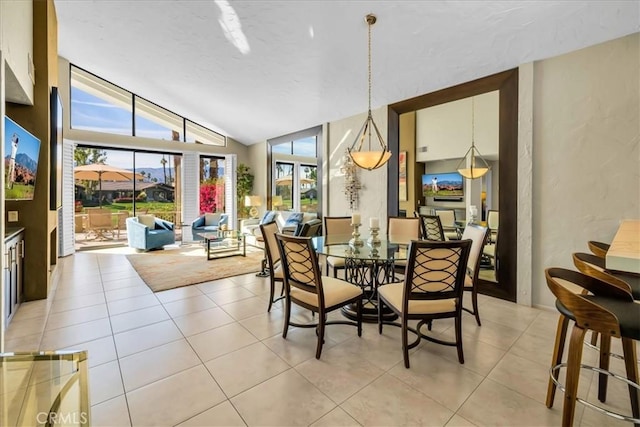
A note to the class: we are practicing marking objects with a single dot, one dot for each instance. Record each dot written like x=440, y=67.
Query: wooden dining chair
x=337, y=230
x=598, y=306
x=493, y=222
x=272, y=254
x=432, y=289
x=431, y=227
x=599, y=249
x=305, y=287
x=448, y=220
x=478, y=236
x=401, y=231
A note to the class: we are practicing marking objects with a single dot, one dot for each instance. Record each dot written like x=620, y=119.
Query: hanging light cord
x=370, y=22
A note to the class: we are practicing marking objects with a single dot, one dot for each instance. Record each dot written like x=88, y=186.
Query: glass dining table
x=368, y=266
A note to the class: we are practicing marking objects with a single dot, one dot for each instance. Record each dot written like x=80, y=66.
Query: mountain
x=158, y=174
x=26, y=161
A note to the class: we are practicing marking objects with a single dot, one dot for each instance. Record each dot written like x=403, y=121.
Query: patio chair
x=99, y=223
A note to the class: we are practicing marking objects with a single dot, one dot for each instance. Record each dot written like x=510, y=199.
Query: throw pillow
x=269, y=217
x=148, y=220
x=212, y=218
x=294, y=219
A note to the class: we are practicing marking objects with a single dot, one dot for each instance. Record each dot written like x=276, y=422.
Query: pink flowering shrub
x=212, y=196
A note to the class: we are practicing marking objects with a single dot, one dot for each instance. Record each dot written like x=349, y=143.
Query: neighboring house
x=156, y=192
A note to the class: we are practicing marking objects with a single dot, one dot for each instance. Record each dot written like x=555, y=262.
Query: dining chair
x=402, y=230
x=432, y=289
x=599, y=249
x=305, y=287
x=272, y=254
x=597, y=306
x=493, y=222
x=478, y=236
x=449, y=226
x=490, y=251
x=309, y=229
x=431, y=227
x=337, y=230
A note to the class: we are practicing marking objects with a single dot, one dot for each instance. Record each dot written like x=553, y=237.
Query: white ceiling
x=305, y=62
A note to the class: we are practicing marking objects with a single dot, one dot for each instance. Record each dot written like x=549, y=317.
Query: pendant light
x=475, y=166
x=367, y=157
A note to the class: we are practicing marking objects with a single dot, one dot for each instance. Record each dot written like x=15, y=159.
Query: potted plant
x=243, y=188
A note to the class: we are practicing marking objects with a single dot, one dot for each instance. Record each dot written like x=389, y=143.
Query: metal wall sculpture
x=352, y=184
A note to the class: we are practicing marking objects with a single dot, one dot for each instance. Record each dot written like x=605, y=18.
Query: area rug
x=173, y=268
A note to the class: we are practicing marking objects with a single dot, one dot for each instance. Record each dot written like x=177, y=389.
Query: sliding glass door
x=112, y=185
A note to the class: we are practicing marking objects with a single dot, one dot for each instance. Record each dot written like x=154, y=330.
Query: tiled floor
x=210, y=355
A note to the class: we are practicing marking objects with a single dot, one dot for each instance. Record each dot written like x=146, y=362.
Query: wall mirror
x=497, y=191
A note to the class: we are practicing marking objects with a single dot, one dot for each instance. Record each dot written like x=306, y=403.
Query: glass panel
x=44, y=388
x=308, y=188
x=201, y=135
x=212, y=182
x=284, y=184
x=155, y=193
x=305, y=147
x=282, y=148
x=156, y=122
x=99, y=106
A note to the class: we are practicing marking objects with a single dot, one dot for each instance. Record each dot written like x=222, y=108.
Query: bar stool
x=603, y=308
x=599, y=249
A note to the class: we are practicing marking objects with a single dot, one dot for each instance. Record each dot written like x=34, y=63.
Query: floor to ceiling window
x=112, y=185
x=295, y=175
x=212, y=184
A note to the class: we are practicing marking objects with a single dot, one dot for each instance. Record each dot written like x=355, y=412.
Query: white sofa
x=251, y=227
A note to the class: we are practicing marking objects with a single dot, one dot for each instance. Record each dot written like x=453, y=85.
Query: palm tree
x=164, y=168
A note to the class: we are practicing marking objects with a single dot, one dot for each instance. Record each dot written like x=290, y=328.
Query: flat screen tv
x=21, y=161
x=448, y=186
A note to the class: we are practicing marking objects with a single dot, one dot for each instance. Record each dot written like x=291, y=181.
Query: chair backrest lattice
x=431, y=227
x=436, y=270
x=300, y=265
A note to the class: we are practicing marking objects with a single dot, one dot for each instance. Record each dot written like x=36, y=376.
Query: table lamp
x=276, y=202
x=254, y=202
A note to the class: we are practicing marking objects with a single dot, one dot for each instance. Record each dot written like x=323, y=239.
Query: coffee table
x=221, y=244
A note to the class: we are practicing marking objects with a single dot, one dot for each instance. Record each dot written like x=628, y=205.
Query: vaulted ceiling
x=254, y=70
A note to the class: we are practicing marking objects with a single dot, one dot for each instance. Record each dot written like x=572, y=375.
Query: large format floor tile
x=211, y=355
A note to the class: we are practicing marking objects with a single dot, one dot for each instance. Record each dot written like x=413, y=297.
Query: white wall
x=586, y=159
x=373, y=196
x=16, y=41
x=445, y=130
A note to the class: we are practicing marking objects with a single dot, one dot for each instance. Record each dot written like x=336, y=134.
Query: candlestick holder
x=374, y=240
x=355, y=239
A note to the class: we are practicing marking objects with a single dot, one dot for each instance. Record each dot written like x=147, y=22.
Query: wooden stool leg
x=558, y=349
x=631, y=365
x=573, y=375
x=605, y=351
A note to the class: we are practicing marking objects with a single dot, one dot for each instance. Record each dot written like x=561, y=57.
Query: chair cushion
x=468, y=282
x=336, y=291
x=489, y=250
x=268, y=217
x=627, y=313
x=212, y=218
x=393, y=293
x=294, y=219
x=148, y=220
x=335, y=261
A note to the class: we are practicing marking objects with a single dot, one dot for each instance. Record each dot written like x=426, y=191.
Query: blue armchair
x=147, y=232
x=208, y=222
